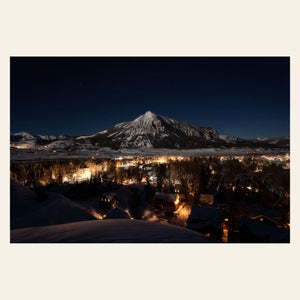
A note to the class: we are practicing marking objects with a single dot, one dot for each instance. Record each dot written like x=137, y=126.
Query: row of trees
x=195, y=177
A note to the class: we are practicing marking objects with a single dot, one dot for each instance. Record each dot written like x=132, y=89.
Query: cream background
x=170, y=28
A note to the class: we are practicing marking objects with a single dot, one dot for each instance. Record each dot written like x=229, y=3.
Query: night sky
x=243, y=97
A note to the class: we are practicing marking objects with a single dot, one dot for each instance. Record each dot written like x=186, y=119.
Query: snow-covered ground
x=60, y=219
x=105, y=152
x=28, y=211
x=108, y=231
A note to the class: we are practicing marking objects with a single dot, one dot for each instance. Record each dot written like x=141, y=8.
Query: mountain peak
x=149, y=113
x=23, y=133
x=148, y=116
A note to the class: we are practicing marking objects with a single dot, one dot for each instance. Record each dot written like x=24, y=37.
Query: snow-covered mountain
x=151, y=130
x=283, y=141
x=148, y=130
x=27, y=140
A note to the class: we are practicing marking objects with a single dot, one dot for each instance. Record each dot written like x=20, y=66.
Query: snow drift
x=108, y=231
x=27, y=211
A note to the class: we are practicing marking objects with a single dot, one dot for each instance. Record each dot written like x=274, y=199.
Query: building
x=109, y=201
x=166, y=201
x=206, y=199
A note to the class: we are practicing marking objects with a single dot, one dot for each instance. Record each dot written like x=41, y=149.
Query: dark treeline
x=210, y=175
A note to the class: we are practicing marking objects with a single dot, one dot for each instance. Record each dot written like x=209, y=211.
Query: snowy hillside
x=27, y=211
x=108, y=231
x=27, y=140
x=283, y=141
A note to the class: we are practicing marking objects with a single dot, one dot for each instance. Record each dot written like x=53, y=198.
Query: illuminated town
x=220, y=192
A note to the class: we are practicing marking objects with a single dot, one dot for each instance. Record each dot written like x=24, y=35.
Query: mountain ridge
x=148, y=130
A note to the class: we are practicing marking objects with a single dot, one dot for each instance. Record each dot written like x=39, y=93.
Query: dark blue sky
x=243, y=97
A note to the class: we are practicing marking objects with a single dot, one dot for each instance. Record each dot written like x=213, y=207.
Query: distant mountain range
x=148, y=130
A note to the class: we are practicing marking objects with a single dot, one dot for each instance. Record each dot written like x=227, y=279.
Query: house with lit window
x=167, y=202
x=125, y=198
x=109, y=201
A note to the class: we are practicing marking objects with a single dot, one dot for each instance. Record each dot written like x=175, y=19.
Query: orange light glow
x=225, y=235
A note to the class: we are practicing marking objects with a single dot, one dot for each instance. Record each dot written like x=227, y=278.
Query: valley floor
x=34, y=154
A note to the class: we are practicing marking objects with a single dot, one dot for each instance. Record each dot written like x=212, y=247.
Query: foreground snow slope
x=108, y=231
x=57, y=209
x=27, y=211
